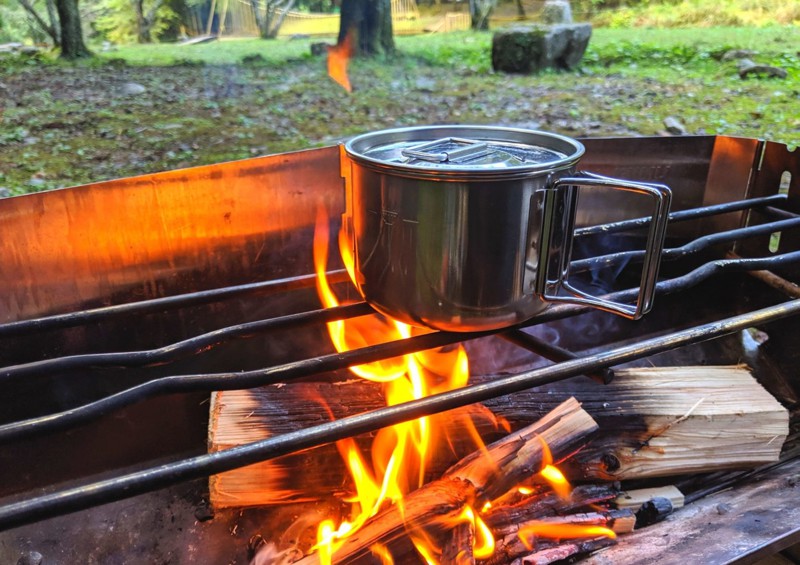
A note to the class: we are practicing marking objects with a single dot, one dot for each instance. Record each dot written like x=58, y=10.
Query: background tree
x=51, y=27
x=64, y=28
x=480, y=11
x=269, y=19
x=370, y=22
x=142, y=21
x=72, y=45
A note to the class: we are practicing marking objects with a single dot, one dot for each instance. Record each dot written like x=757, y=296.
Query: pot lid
x=465, y=150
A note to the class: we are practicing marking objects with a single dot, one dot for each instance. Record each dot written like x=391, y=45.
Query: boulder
x=530, y=49
x=748, y=67
x=556, y=12
x=735, y=54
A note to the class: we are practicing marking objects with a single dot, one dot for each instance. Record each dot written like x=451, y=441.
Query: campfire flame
x=400, y=453
x=533, y=530
x=338, y=58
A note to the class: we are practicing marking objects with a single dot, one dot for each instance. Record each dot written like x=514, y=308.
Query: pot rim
x=571, y=148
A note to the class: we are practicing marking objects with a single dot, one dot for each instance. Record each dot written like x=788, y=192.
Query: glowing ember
x=338, y=57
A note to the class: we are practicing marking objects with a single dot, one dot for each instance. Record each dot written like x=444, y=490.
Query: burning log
x=548, y=504
x=457, y=549
x=479, y=477
x=563, y=551
x=515, y=541
x=653, y=422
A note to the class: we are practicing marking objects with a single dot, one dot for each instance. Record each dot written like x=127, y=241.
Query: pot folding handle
x=558, y=226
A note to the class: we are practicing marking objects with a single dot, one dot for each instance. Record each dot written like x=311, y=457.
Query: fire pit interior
x=128, y=302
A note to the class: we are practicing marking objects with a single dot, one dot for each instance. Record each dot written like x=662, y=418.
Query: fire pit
x=116, y=296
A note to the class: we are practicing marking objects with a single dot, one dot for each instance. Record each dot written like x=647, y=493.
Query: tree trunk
x=142, y=29
x=270, y=20
x=51, y=29
x=273, y=30
x=371, y=23
x=72, y=46
x=480, y=11
x=520, y=10
x=52, y=17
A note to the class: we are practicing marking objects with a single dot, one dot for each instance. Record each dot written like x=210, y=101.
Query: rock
x=530, y=49
x=29, y=50
x=674, y=126
x=425, y=84
x=319, y=48
x=10, y=47
x=556, y=12
x=734, y=54
x=748, y=67
x=253, y=59
x=132, y=89
x=31, y=558
x=4, y=192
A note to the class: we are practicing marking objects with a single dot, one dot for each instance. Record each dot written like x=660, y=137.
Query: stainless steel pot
x=468, y=228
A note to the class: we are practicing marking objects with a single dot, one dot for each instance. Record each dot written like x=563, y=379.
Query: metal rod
x=777, y=212
x=675, y=253
x=203, y=297
x=185, y=348
x=788, y=288
x=683, y=215
x=198, y=344
x=131, y=484
x=552, y=352
x=335, y=361
x=163, y=304
x=228, y=381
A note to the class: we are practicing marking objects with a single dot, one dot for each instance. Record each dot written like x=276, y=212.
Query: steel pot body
x=464, y=243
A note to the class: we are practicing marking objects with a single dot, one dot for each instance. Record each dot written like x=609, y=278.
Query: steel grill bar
x=552, y=352
x=777, y=212
x=126, y=486
x=162, y=304
x=695, y=246
x=203, y=297
x=335, y=361
x=179, y=350
x=684, y=215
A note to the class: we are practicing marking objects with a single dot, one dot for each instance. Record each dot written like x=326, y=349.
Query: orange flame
x=554, y=477
x=338, y=58
x=400, y=453
x=532, y=530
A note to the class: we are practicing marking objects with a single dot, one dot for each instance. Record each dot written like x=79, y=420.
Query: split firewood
x=483, y=475
x=563, y=551
x=634, y=499
x=653, y=422
x=513, y=543
x=548, y=504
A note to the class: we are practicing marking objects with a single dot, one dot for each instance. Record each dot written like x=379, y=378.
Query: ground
x=144, y=109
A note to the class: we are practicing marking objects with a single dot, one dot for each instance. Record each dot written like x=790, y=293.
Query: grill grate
x=120, y=487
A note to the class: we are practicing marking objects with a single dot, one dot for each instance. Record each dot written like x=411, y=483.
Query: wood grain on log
x=653, y=422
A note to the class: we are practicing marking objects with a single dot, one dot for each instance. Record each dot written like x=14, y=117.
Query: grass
x=71, y=124
x=702, y=13
x=226, y=52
